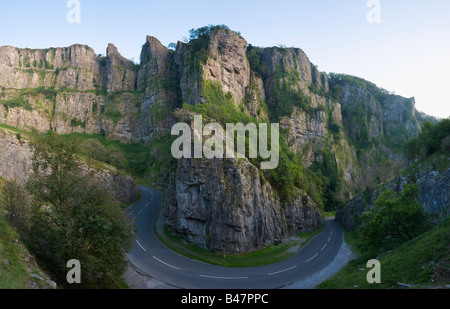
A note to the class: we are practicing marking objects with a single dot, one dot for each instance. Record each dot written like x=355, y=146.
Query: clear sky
x=408, y=52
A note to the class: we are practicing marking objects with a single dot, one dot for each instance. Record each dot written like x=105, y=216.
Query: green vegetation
x=393, y=220
x=14, y=269
x=17, y=102
x=423, y=261
x=432, y=138
x=131, y=158
x=254, y=56
x=113, y=114
x=287, y=94
x=289, y=176
x=198, y=44
x=160, y=159
x=75, y=122
x=74, y=214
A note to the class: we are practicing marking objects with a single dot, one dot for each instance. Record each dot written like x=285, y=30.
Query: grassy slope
x=14, y=269
x=423, y=261
x=415, y=262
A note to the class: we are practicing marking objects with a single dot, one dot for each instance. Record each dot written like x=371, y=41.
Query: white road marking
x=312, y=257
x=143, y=208
x=324, y=247
x=141, y=246
x=281, y=271
x=329, y=239
x=165, y=263
x=332, y=233
x=224, y=278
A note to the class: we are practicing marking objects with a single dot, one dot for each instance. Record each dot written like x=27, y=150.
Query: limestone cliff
x=223, y=205
x=16, y=165
x=346, y=131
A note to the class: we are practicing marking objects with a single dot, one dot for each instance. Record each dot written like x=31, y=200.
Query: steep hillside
x=18, y=269
x=429, y=171
x=419, y=263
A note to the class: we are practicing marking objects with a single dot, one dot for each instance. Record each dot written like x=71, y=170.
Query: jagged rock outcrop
x=228, y=63
x=222, y=205
x=16, y=165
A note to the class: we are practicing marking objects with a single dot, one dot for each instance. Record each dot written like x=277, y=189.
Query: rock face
x=432, y=185
x=228, y=63
x=16, y=165
x=221, y=205
x=15, y=158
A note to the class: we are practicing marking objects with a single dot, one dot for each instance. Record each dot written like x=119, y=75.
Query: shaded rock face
x=394, y=117
x=16, y=165
x=434, y=196
x=221, y=205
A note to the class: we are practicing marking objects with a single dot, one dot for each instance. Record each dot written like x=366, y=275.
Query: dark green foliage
x=74, y=217
x=395, y=218
x=16, y=202
x=287, y=95
x=327, y=171
x=205, y=31
x=75, y=122
x=113, y=114
x=445, y=144
x=254, y=56
x=103, y=60
x=133, y=158
x=17, y=102
x=429, y=140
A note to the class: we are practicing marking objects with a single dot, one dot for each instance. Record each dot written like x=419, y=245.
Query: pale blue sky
x=407, y=53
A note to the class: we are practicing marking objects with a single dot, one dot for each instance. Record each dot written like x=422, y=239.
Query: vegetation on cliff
x=64, y=214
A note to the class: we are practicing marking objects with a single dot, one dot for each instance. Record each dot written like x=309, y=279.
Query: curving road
x=153, y=258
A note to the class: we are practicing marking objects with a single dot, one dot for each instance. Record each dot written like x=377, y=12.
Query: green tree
x=74, y=217
x=393, y=220
x=94, y=149
x=16, y=201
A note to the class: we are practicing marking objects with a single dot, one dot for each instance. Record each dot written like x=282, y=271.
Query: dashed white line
x=324, y=247
x=224, y=278
x=140, y=245
x=329, y=239
x=165, y=263
x=143, y=208
x=281, y=271
x=312, y=257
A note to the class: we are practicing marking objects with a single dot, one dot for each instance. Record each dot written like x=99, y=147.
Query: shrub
x=445, y=144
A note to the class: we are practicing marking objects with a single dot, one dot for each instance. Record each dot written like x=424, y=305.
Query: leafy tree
x=94, y=149
x=74, y=217
x=429, y=140
x=393, y=220
x=445, y=144
x=16, y=202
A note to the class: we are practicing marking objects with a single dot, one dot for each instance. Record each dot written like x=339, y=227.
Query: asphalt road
x=150, y=256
